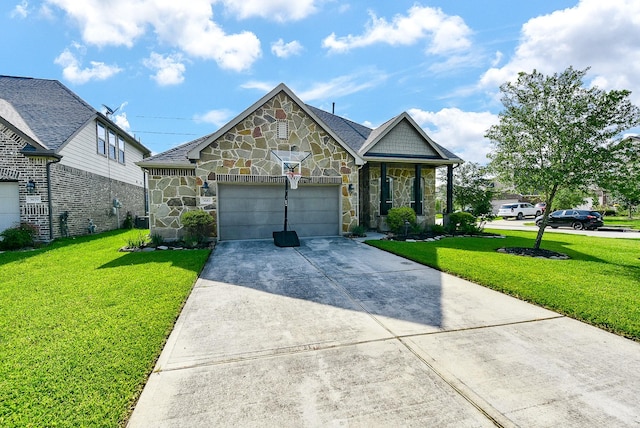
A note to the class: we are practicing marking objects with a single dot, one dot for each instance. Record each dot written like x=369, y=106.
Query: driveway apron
x=337, y=333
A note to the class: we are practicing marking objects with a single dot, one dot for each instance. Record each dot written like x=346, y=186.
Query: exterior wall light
x=31, y=187
x=205, y=188
x=350, y=188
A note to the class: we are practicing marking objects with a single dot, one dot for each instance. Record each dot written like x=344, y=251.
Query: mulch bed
x=532, y=252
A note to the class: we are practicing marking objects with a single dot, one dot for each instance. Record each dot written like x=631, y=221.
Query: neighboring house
x=353, y=175
x=60, y=158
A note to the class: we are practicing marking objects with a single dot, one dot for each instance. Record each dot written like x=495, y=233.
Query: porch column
x=417, y=190
x=384, y=190
x=449, y=189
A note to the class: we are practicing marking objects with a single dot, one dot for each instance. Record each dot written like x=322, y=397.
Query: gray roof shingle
x=51, y=111
x=351, y=133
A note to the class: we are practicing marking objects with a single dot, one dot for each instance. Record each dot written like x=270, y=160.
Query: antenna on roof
x=109, y=110
x=333, y=108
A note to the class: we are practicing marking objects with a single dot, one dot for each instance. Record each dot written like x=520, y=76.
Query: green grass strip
x=81, y=326
x=600, y=284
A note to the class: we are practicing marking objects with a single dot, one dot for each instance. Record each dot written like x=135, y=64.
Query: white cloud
x=342, y=86
x=21, y=10
x=187, y=26
x=459, y=131
x=72, y=69
x=122, y=121
x=260, y=86
x=597, y=34
x=169, y=69
x=444, y=33
x=285, y=50
x=276, y=10
x=215, y=117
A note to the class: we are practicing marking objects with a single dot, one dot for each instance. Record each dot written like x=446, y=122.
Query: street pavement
x=338, y=333
x=527, y=224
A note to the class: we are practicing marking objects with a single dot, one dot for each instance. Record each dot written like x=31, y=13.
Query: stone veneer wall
x=83, y=194
x=402, y=192
x=245, y=153
x=171, y=194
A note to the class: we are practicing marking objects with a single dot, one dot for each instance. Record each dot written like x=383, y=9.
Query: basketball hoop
x=293, y=178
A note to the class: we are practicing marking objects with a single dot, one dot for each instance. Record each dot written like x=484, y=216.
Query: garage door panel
x=256, y=211
x=311, y=217
x=9, y=205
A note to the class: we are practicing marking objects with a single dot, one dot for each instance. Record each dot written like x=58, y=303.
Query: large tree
x=555, y=133
x=622, y=176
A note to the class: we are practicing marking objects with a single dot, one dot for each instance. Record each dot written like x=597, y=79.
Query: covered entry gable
x=401, y=139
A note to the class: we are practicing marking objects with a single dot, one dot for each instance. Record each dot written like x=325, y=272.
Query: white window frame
x=121, y=145
x=101, y=132
x=113, y=145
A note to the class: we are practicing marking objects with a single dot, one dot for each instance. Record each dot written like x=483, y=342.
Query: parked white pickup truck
x=518, y=210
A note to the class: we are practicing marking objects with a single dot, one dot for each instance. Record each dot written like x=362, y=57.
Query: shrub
x=198, y=226
x=358, y=230
x=18, y=237
x=435, y=229
x=137, y=241
x=397, y=216
x=461, y=222
x=127, y=223
x=156, y=239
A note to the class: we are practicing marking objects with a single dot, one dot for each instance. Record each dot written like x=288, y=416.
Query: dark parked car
x=577, y=219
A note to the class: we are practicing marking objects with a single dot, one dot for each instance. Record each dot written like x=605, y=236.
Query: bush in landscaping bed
x=462, y=222
x=18, y=237
x=198, y=226
x=397, y=217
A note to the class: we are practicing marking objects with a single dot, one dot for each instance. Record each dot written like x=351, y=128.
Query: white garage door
x=9, y=205
x=256, y=211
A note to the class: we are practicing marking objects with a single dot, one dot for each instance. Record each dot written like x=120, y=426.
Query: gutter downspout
x=50, y=202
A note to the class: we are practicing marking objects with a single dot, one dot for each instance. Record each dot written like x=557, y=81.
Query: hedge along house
x=63, y=163
x=353, y=175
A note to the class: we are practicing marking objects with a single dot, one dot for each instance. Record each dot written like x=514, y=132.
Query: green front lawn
x=633, y=223
x=600, y=284
x=81, y=326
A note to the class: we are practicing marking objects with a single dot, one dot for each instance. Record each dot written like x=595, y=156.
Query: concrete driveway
x=337, y=333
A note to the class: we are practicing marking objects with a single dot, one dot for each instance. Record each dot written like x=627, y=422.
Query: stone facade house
x=63, y=163
x=352, y=176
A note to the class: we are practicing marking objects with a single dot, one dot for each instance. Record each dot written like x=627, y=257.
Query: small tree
x=472, y=189
x=554, y=133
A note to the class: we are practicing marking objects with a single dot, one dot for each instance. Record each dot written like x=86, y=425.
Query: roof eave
x=41, y=154
x=413, y=160
x=168, y=165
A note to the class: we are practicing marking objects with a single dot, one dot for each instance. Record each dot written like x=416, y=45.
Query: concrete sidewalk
x=337, y=333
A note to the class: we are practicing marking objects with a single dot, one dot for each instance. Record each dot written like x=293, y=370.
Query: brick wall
x=85, y=196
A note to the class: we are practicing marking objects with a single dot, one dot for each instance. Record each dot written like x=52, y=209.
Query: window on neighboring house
x=112, y=145
x=120, y=149
x=283, y=130
x=102, y=139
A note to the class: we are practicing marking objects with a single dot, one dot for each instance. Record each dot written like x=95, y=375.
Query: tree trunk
x=545, y=216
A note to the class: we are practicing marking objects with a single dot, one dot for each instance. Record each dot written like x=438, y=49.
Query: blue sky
x=178, y=70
